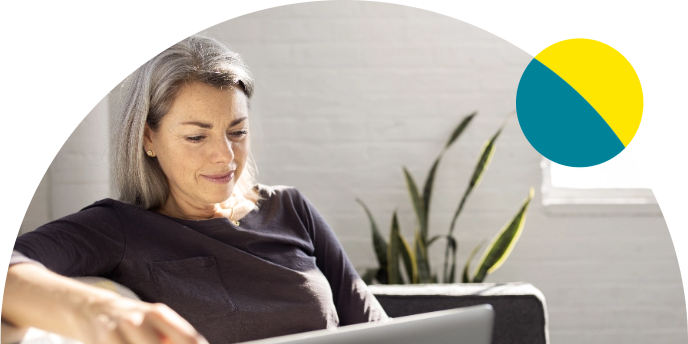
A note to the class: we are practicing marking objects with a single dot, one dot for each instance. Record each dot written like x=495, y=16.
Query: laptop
x=468, y=325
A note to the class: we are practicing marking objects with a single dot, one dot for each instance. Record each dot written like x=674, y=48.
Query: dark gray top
x=281, y=271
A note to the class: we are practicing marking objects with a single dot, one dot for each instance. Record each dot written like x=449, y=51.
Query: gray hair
x=147, y=96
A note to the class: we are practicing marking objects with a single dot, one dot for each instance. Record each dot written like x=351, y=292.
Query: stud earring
x=150, y=154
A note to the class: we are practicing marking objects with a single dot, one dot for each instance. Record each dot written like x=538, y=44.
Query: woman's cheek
x=240, y=149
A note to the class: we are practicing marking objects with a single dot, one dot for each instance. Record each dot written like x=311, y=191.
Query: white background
x=347, y=92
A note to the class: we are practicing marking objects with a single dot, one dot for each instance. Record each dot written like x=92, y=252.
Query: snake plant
x=415, y=258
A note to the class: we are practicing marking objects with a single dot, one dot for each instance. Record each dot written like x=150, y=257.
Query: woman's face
x=202, y=143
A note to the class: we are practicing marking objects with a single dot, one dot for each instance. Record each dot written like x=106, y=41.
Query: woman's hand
x=37, y=297
x=120, y=320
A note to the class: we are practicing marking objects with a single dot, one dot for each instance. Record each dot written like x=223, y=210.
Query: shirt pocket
x=192, y=287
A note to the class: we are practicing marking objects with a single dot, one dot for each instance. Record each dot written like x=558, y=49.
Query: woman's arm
x=37, y=297
x=354, y=302
x=90, y=242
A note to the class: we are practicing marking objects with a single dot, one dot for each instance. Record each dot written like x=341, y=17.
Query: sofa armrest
x=520, y=308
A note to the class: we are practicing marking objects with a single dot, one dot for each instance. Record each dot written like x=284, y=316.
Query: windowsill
x=599, y=202
x=588, y=209
x=560, y=201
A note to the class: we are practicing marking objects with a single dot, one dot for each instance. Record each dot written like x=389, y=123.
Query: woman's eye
x=195, y=138
x=239, y=133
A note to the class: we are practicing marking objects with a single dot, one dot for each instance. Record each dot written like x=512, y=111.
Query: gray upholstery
x=520, y=309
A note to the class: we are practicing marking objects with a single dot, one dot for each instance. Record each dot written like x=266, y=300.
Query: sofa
x=520, y=309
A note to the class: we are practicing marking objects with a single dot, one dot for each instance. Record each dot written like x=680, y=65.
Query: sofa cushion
x=109, y=285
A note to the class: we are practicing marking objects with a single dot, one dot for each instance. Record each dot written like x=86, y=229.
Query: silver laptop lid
x=469, y=325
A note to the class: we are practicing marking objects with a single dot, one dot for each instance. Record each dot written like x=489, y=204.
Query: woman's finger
x=173, y=327
x=106, y=331
x=141, y=334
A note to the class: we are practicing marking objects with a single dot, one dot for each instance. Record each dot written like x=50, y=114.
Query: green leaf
x=503, y=243
x=427, y=188
x=424, y=275
x=483, y=163
x=417, y=201
x=381, y=276
x=393, y=272
x=430, y=179
x=409, y=259
x=433, y=239
x=453, y=247
x=485, y=159
x=465, y=278
x=369, y=275
x=486, y=154
x=459, y=129
x=379, y=243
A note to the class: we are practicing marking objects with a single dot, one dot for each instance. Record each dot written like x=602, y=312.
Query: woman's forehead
x=197, y=101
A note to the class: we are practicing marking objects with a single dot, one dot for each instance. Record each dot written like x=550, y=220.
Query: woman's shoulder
x=110, y=205
x=276, y=191
x=107, y=209
x=280, y=194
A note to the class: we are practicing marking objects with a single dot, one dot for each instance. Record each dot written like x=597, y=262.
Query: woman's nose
x=222, y=151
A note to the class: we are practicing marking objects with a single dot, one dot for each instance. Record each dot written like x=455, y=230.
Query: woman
x=192, y=234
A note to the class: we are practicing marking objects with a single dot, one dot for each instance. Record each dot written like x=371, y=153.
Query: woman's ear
x=147, y=138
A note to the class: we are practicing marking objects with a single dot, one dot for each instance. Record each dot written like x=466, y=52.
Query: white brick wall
x=348, y=92
x=79, y=174
x=38, y=212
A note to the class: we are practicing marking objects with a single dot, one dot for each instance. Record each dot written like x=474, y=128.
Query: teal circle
x=559, y=123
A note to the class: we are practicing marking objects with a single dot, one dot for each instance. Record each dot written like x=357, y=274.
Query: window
x=618, y=185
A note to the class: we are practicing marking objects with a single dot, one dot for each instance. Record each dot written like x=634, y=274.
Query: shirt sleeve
x=90, y=242
x=354, y=302
x=18, y=257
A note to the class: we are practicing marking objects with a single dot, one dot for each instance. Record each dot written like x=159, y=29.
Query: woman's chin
x=219, y=196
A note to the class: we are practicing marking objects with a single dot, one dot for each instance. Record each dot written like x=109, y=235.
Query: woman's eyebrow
x=210, y=126
x=200, y=124
x=237, y=121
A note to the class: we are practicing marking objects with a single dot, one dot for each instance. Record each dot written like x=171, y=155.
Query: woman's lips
x=219, y=178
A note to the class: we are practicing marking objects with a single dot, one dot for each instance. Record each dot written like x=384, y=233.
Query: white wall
x=348, y=92
x=78, y=176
